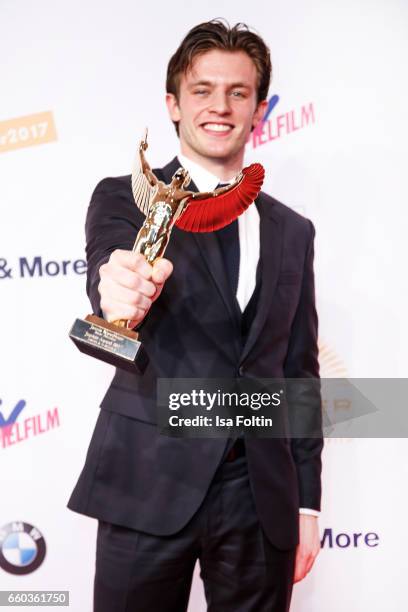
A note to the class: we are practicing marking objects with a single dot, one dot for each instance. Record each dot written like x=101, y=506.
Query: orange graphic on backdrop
x=27, y=131
x=332, y=366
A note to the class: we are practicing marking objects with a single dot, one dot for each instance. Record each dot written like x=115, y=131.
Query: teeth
x=217, y=127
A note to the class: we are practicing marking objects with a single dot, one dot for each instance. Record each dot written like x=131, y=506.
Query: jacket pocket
x=130, y=404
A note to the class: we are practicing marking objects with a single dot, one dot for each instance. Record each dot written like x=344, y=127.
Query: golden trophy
x=164, y=206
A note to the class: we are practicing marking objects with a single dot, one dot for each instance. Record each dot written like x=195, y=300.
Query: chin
x=218, y=152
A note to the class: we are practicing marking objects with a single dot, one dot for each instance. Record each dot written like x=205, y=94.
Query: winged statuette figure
x=167, y=205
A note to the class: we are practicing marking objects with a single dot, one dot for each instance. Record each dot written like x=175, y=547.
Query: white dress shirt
x=249, y=243
x=248, y=231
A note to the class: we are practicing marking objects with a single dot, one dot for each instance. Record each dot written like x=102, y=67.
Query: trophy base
x=108, y=342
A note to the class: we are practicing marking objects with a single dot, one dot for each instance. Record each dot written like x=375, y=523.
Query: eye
x=200, y=92
x=237, y=94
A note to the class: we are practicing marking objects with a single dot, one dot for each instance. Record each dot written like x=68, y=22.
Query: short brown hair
x=217, y=34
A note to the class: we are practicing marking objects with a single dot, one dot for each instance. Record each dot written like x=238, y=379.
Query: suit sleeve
x=304, y=398
x=112, y=223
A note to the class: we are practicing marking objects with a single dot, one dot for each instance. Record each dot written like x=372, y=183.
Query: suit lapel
x=210, y=250
x=270, y=261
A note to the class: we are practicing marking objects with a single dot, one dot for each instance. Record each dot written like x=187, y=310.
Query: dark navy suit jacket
x=154, y=483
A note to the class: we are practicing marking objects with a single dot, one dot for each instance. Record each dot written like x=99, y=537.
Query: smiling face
x=217, y=108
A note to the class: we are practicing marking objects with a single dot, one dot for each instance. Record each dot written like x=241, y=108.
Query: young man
x=237, y=302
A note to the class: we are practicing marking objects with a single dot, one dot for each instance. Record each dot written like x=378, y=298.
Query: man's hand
x=129, y=285
x=308, y=547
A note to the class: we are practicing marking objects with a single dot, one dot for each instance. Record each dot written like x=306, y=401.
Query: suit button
x=241, y=371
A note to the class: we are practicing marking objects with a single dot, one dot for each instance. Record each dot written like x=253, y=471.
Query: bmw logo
x=22, y=548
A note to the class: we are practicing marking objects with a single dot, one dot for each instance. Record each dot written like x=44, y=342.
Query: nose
x=220, y=103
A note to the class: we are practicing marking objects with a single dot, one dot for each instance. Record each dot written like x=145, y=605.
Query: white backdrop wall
x=79, y=81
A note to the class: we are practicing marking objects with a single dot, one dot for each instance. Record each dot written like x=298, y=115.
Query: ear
x=173, y=107
x=259, y=112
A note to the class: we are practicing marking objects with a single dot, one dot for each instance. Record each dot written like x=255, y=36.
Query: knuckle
x=133, y=313
x=136, y=280
x=136, y=298
x=140, y=313
x=169, y=267
x=157, y=292
x=137, y=260
x=150, y=289
x=166, y=265
x=143, y=302
x=143, y=266
x=138, y=257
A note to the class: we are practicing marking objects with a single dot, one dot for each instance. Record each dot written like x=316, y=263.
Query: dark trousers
x=241, y=570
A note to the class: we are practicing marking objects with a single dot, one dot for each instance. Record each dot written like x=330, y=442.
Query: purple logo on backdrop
x=12, y=418
x=343, y=539
x=37, y=267
x=22, y=548
x=272, y=102
x=13, y=430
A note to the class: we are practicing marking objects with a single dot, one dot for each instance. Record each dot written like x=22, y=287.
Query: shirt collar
x=203, y=179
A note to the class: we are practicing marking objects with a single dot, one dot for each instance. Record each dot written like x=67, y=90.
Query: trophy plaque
x=109, y=342
x=164, y=206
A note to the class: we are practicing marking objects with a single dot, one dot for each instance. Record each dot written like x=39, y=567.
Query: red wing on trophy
x=215, y=212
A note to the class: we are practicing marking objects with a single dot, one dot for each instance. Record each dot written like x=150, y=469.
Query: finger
x=309, y=563
x=162, y=268
x=112, y=274
x=299, y=575
x=118, y=311
x=147, y=288
x=133, y=261
x=142, y=266
x=161, y=271
x=125, y=296
x=305, y=566
x=140, y=315
x=300, y=568
x=132, y=324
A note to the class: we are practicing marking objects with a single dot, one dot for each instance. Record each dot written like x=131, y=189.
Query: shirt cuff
x=309, y=511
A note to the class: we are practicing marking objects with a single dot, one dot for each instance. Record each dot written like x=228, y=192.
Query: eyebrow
x=210, y=84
